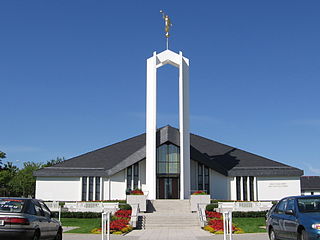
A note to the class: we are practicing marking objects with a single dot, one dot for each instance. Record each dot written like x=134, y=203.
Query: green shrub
x=124, y=206
x=211, y=207
x=249, y=214
x=80, y=215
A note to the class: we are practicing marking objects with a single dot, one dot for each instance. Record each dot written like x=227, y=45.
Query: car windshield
x=11, y=205
x=311, y=204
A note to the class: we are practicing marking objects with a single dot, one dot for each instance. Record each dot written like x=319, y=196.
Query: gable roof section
x=224, y=159
x=310, y=183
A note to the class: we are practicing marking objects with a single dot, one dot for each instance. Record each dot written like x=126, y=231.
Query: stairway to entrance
x=170, y=214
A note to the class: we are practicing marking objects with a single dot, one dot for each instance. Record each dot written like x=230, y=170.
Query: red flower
x=118, y=224
x=199, y=192
x=211, y=214
x=123, y=214
x=136, y=192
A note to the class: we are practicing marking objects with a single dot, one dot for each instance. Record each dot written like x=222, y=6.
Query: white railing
x=134, y=215
x=201, y=210
x=244, y=206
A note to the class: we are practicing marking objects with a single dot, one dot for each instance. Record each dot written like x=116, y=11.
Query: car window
x=45, y=209
x=281, y=206
x=290, y=205
x=11, y=205
x=311, y=204
x=30, y=209
x=39, y=211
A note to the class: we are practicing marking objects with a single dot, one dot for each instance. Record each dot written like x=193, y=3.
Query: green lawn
x=85, y=224
x=250, y=225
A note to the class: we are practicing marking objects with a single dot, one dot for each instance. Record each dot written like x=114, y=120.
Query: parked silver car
x=24, y=218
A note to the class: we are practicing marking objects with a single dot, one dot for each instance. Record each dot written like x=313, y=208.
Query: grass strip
x=250, y=225
x=85, y=224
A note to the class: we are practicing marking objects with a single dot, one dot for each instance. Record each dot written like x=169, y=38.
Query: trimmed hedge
x=125, y=206
x=249, y=214
x=211, y=207
x=80, y=215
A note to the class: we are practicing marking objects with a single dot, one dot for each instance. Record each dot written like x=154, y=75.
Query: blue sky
x=72, y=75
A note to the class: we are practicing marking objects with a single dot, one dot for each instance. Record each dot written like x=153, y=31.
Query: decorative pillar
x=154, y=62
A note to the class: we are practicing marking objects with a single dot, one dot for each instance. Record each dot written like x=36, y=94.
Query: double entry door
x=168, y=188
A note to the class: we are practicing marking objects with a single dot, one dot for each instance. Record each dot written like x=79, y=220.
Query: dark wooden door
x=168, y=188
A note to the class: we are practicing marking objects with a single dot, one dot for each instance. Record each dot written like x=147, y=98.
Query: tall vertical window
x=135, y=175
x=238, y=186
x=97, y=188
x=129, y=177
x=245, y=188
x=90, y=188
x=168, y=160
x=251, y=184
x=206, y=180
x=84, y=189
x=200, y=177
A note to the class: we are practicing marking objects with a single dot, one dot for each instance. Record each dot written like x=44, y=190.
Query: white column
x=255, y=189
x=151, y=126
x=87, y=197
x=241, y=188
x=184, y=127
x=94, y=189
x=101, y=188
x=248, y=189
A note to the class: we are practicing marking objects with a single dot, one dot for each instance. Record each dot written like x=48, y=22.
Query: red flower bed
x=199, y=192
x=217, y=225
x=136, y=192
x=119, y=224
x=123, y=213
x=210, y=214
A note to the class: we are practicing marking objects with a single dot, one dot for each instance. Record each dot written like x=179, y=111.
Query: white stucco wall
x=275, y=188
x=58, y=188
x=219, y=186
x=118, y=186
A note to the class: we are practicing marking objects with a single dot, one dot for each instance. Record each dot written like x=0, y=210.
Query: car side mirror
x=289, y=212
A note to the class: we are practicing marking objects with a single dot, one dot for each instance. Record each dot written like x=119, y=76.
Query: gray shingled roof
x=224, y=159
x=310, y=183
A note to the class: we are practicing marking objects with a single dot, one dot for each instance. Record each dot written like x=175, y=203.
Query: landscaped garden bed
x=239, y=224
x=119, y=223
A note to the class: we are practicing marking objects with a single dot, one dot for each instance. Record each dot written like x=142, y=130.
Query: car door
x=52, y=226
x=41, y=219
x=290, y=222
x=277, y=218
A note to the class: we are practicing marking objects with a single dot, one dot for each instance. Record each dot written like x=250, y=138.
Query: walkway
x=166, y=234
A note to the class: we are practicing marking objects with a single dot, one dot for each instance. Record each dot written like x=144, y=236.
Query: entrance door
x=168, y=188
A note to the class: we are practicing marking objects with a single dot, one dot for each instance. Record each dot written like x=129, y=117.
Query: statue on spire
x=167, y=23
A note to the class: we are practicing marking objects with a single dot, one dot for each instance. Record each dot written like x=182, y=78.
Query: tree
x=53, y=162
x=7, y=173
x=24, y=182
x=2, y=156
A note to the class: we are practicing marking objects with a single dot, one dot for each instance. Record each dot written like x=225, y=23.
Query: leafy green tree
x=7, y=173
x=24, y=182
x=2, y=156
x=53, y=162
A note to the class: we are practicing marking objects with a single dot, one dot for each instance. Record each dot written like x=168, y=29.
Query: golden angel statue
x=167, y=23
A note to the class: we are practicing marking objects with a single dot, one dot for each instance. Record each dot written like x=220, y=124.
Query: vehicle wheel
x=36, y=235
x=272, y=234
x=59, y=235
x=303, y=235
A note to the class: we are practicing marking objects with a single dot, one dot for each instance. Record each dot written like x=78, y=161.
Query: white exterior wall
x=58, y=188
x=219, y=186
x=276, y=188
x=118, y=186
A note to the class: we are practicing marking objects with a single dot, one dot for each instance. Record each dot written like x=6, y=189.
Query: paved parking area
x=166, y=234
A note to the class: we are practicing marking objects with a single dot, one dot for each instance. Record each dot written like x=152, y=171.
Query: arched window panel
x=168, y=159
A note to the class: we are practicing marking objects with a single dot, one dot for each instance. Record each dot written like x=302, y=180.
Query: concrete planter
x=138, y=199
x=196, y=199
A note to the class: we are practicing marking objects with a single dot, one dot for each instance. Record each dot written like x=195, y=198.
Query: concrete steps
x=170, y=214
